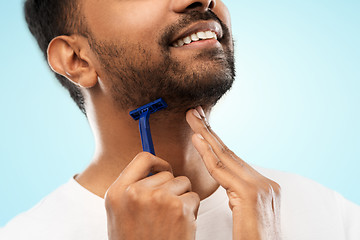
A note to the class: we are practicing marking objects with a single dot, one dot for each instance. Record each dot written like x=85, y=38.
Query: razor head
x=151, y=107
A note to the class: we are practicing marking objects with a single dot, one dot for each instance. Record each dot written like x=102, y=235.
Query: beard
x=139, y=75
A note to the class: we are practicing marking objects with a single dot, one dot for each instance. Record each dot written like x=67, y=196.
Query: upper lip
x=200, y=27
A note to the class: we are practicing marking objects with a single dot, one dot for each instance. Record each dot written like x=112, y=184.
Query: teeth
x=195, y=37
x=180, y=43
x=201, y=35
x=209, y=34
x=187, y=40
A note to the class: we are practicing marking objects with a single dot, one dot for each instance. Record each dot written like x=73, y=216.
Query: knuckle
x=132, y=194
x=192, y=205
x=269, y=190
x=167, y=175
x=110, y=199
x=219, y=165
x=176, y=204
x=158, y=196
x=216, y=163
x=196, y=197
x=143, y=155
x=261, y=192
x=177, y=207
x=183, y=180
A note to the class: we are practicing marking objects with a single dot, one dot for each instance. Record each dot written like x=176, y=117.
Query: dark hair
x=48, y=19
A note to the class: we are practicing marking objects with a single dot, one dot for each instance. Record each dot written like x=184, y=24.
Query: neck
x=117, y=140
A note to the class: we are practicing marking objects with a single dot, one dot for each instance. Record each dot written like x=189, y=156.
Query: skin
x=191, y=162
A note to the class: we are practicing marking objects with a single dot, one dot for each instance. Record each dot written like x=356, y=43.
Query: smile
x=200, y=31
x=195, y=37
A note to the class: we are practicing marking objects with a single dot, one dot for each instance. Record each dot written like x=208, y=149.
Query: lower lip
x=201, y=44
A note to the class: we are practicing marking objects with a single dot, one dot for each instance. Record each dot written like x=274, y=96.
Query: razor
x=142, y=114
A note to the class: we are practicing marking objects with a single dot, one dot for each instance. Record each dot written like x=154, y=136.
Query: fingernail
x=201, y=111
x=202, y=114
x=196, y=113
x=200, y=136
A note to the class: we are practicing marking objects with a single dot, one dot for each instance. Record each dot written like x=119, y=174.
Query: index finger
x=198, y=123
x=140, y=167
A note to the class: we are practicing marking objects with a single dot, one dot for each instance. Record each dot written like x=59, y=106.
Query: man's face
x=144, y=51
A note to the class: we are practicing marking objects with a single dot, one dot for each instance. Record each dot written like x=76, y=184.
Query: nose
x=181, y=6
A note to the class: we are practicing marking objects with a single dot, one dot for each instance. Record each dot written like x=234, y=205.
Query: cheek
x=126, y=21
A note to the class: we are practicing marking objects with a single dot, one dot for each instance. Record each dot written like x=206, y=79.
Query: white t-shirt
x=309, y=211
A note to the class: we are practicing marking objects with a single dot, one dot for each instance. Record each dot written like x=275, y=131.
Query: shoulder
x=310, y=210
x=305, y=192
x=300, y=195
x=60, y=215
x=295, y=184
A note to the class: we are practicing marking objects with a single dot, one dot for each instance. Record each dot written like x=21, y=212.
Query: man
x=114, y=56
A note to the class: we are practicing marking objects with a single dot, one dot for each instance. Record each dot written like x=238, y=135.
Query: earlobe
x=67, y=57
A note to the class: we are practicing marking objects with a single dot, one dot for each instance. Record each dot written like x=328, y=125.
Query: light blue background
x=294, y=106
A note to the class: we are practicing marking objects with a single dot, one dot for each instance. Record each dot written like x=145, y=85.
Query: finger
x=224, y=148
x=140, y=167
x=191, y=202
x=200, y=110
x=156, y=180
x=177, y=186
x=221, y=172
x=200, y=126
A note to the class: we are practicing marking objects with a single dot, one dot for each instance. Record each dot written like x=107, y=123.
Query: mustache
x=187, y=19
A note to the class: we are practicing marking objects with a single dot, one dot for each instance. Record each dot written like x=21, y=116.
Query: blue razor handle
x=143, y=114
x=146, y=139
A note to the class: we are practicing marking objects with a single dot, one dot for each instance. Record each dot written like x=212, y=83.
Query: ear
x=68, y=56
